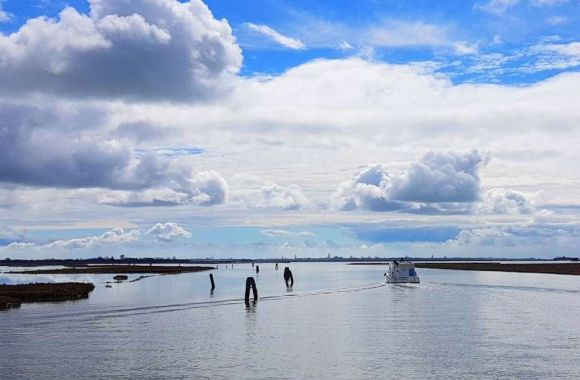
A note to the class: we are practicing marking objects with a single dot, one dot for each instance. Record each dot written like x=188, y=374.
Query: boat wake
x=96, y=315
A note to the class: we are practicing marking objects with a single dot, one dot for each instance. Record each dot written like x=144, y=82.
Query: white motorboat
x=402, y=272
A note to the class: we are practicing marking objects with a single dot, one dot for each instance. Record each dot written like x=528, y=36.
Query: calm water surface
x=338, y=321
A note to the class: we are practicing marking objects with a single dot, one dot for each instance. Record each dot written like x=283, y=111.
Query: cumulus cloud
x=440, y=177
x=146, y=50
x=289, y=42
x=285, y=233
x=367, y=190
x=163, y=232
x=36, y=153
x=39, y=148
x=284, y=197
x=505, y=201
x=207, y=188
x=167, y=232
x=112, y=237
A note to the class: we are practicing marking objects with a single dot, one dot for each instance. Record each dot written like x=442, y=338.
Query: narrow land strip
x=14, y=295
x=118, y=269
x=555, y=268
x=550, y=268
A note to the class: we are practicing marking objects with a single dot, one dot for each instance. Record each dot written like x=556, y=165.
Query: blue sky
x=289, y=127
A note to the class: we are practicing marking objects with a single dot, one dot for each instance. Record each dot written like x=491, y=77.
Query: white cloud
x=113, y=237
x=344, y=46
x=285, y=233
x=284, y=197
x=206, y=188
x=305, y=127
x=39, y=149
x=167, y=232
x=496, y=7
x=557, y=20
x=163, y=232
x=366, y=190
x=4, y=16
x=465, y=48
x=540, y=3
x=290, y=43
x=571, y=49
x=552, y=56
x=162, y=49
x=439, y=177
x=505, y=201
x=553, y=236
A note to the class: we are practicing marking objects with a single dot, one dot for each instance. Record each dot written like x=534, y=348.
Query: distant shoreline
x=553, y=268
x=117, y=269
x=210, y=261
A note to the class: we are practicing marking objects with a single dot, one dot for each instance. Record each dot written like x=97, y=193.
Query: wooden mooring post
x=251, y=284
x=257, y=269
x=288, y=276
x=212, y=281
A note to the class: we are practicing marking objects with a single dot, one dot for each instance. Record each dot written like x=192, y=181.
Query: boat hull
x=409, y=280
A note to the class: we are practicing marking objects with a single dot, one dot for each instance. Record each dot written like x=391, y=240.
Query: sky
x=289, y=128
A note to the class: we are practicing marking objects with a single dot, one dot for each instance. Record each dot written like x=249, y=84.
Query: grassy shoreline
x=555, y=268
x=14, y=295
x=572, y=268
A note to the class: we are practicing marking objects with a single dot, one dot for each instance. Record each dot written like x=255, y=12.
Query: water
x=338, y=321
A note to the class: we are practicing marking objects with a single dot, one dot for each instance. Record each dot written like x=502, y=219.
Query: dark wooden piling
x=288, y=277
x=211, y=280
x=251, y=283
x=276, y=266
x=257, y=269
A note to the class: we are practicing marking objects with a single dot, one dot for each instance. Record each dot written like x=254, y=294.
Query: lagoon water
x=338, y=321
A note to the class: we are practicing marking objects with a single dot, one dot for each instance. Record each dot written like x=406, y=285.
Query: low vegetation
x=14, y=295
x=553, y=268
